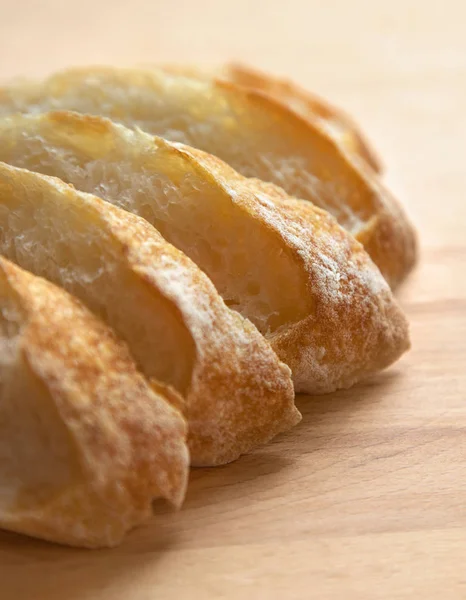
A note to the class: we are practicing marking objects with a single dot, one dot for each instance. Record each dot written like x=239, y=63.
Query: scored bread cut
x=85, y=443
x=253, y=132
x=334, y=120
x=286, y=265
x=237, y=393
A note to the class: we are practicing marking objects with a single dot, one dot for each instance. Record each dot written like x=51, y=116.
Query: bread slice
x=256, y=134
x=284, y=264
x=237, y=393
x=335, y=121
x=85, y=443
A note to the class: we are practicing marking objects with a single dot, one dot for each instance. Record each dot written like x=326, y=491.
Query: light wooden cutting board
x=365, y=499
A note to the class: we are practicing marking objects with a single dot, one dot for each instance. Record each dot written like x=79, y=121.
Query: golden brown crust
x=310, y=106
x=239, y=394
x=338, y=124
x=124, y=443
x=354, y=327
x=344, y=323
x=255, y=133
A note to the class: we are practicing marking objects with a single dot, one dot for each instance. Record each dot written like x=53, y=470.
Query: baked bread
x=85, y=443
x=237, y=394
x=335, y=121
x=256, y=134
x=283, y=263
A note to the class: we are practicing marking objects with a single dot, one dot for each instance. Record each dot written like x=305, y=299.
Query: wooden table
x=366, y=498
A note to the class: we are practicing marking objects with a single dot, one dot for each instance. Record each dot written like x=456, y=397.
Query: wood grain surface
x=366, y=498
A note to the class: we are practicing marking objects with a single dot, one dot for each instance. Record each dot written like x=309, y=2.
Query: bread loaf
x=85, y=443
x=237, y=394
x=256, y=134
x=306, y=284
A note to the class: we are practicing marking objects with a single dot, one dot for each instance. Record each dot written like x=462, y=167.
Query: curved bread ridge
x=283, y=263
x=354, y=326
x=256, y=134
x=237, y=394
x=85, y=443
x=334, y=120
